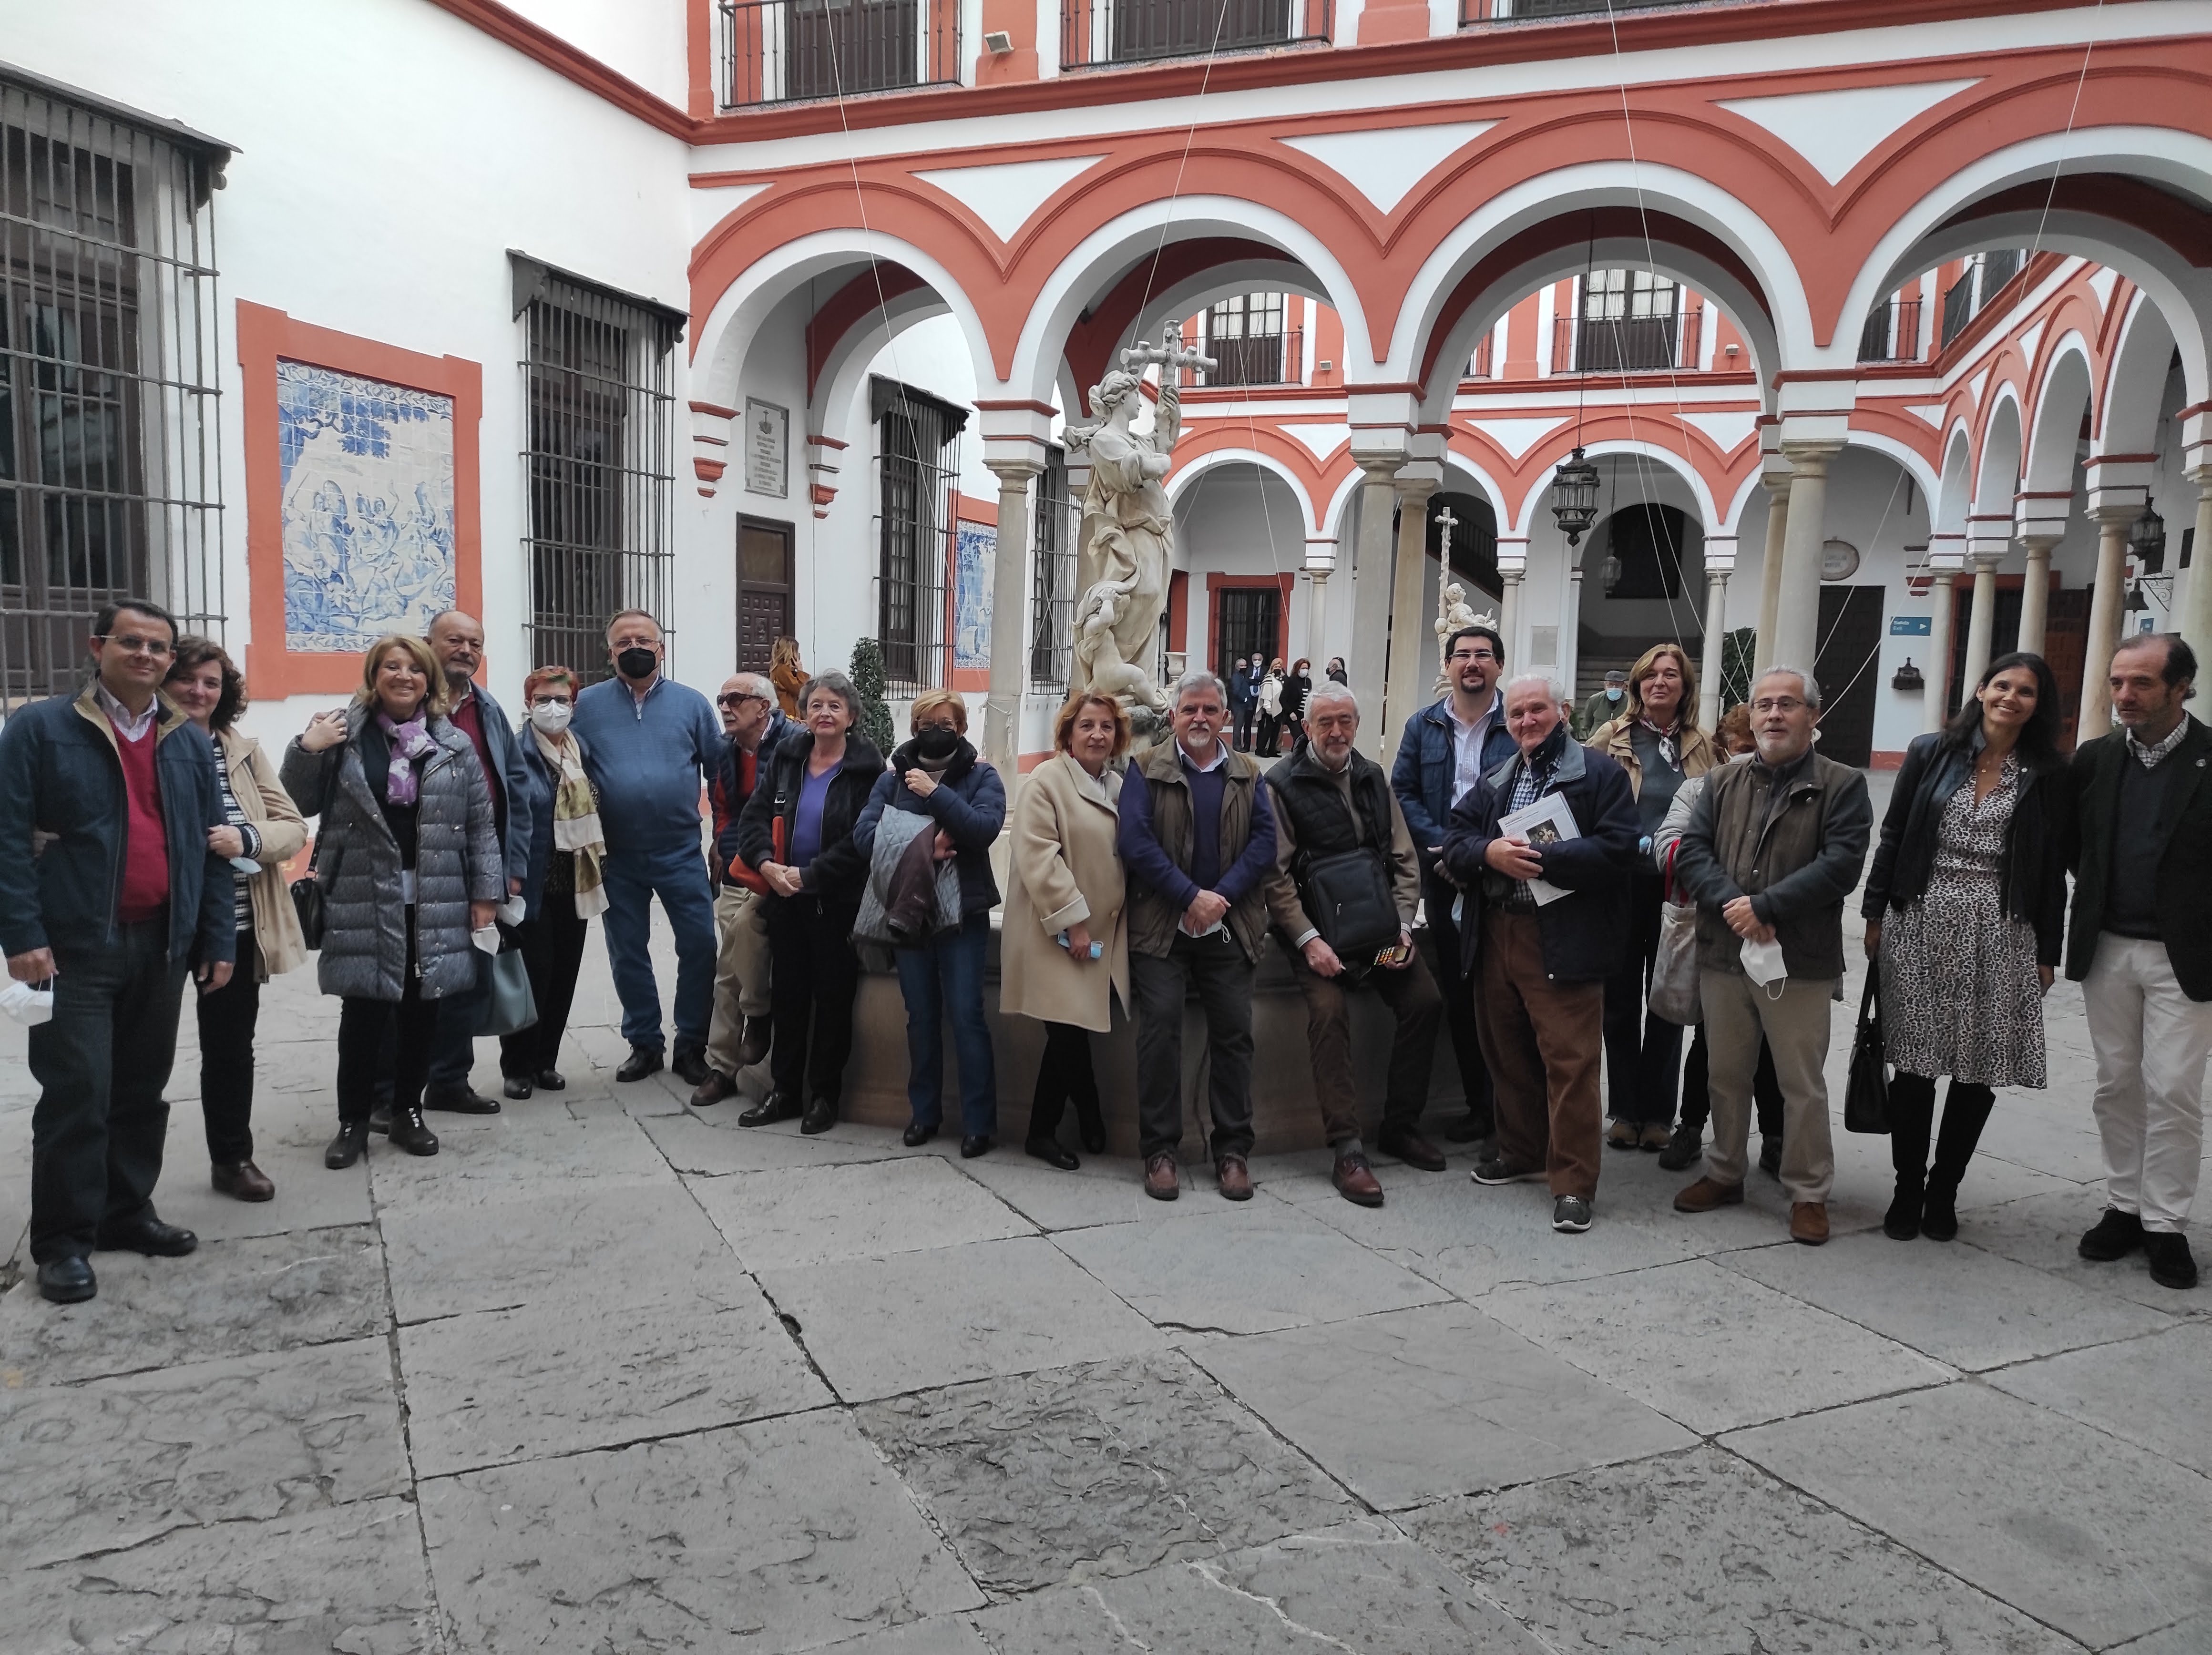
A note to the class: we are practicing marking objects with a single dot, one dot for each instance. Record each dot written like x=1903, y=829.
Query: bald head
x=459, y=643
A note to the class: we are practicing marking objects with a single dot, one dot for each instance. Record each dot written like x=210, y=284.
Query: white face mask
x=551, y=717
x=1762, y=962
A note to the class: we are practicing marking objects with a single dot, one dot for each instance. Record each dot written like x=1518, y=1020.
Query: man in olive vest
x=1342, y=849
x=1197, y=839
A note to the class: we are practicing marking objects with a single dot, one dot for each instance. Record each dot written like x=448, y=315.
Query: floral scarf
x=576, y=820
x=410, y=742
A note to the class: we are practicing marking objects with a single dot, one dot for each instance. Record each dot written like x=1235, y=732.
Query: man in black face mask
x=650, y=743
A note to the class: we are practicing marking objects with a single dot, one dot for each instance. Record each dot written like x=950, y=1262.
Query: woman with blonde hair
x=1656, y=740
x=262, y=831
x=1064, y=952
x=787, y=673
x=937, y=776
x=408, y=856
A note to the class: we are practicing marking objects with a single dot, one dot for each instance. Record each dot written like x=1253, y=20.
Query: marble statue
x=1454, y=612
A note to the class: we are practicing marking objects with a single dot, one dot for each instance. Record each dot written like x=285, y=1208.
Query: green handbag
x=509, y=1005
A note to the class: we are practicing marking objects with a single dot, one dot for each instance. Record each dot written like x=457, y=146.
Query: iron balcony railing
x=1636, y=344
x=1094, y=33
x=1474, y=12
x=783, y=50
x=1958, y=306
x=1258, y=359
x=1892, y=333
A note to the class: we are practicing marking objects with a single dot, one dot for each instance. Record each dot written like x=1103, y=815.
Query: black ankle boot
x=348, y=1147
x=1091, y=1125
x=1902, y=1222
x=1939, y=1218
x=408, y=1133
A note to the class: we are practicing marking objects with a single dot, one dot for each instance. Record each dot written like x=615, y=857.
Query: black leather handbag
x=1347, y=895
x=307, y=900
x=1866, y=1093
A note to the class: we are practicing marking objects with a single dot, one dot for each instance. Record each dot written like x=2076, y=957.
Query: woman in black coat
x=1966, y=908
x=797, y=831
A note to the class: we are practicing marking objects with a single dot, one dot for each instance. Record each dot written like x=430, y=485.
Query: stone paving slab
x=2152, y=1391
x=309, y=1195
x=1100, y=1470
x=812, y=1214
x=229, y=1299
x=710, y=1142
x=346, y=1578
x=1701, y=1552
x=1360, y=1587
x=1709, y=1348
x=2086, y=1532
x=115, y=1463
x=1972, y=1309
x=1412, y=1406
x=493, y=1247
x=2044, y=1230
x=549, y=1149
x=942, y=1634
x=486, y=1389
x=2190, y=1637
x=1103, y=1190
x=784, y=1535
x=1248, y=1270
x=920, y=1320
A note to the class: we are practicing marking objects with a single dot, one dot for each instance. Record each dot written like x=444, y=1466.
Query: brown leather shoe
x=1808, y=1222
x=1234, y=1178
x=1707, y=1194
x=1410, y=1146
x=716, y=1087
x=245, y=1181
x=1161, y=1181
x=752, y=1044
x=1355, y=1181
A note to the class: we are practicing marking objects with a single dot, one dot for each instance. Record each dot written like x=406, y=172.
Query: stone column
x=1370, y=596
x=1797, y=604
x=1981, y=621
x=2194, y=623
x=1406, y=686
x=2106, y=600
x=1776, y=484
x=1571, y=624
x=1010, y=611
x=1512, y=570
x=1709, y=680
x=1321, y=563
x=2035, y=595
x=1937, y=707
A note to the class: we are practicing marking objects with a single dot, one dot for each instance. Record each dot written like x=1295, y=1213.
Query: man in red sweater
x=110, y=890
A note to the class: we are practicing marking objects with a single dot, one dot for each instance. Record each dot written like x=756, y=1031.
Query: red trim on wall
x=264, y=335
x=542, y=45
x=1179, y=610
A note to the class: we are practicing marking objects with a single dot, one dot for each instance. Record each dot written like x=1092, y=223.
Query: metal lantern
x=2147, y=539
x=1908, y=678
x=1574, y=496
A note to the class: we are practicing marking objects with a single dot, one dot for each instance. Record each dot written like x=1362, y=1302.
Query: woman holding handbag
x=262, y=831
x=568, y=853
x=1656, y=740
x=1269, y=740
x=407, y=856
x=1966, y=907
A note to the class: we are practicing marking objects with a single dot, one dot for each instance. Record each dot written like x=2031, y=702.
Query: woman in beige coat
x=262, y=831
x=1064, y=950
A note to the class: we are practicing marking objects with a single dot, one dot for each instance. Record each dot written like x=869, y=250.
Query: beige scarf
x=576, y=821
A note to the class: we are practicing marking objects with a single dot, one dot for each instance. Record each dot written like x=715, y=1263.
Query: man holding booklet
x=1543, y=846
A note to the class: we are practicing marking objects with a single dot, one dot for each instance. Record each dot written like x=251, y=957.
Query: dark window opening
x=917, y=486
x=1644, y=551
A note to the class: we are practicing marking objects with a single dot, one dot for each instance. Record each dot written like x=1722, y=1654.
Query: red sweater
x=145, y=835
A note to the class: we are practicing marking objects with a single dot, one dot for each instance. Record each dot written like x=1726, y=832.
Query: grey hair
x=1783, y=669
x=1330, y=690
x=1199, y=678
x=1552, y=687
x=833, y=683
x=756, y=683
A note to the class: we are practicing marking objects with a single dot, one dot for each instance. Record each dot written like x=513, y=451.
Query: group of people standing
x=1550, y=873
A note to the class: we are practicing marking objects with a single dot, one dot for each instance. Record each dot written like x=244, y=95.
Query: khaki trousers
x=1542, y=1040
x=1794, y=1023
x=741, y=975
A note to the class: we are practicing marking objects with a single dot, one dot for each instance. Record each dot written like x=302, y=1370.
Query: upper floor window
x=1247, y=341
x=1098, y=32
x=1627, y=323
x=600, y=460
x=1979, y=283
x=110, y=456
x=1486, y=11
x=779, y=50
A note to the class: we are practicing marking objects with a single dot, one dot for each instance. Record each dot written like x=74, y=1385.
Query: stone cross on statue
x=1171, y=352
x=1447, y=521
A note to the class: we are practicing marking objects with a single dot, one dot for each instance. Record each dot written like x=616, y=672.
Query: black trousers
x=101, y=1061
x=453, y=1041
x=1642, y=1051
x=227, y=1018
x=813, y=976
x=1438, y=895
x=385, y=1047
x=1244, y=716
x=1698, y=1097
x=1912, y=1114
x=552, y=952
x=1065, y=1072
x=1216, y=967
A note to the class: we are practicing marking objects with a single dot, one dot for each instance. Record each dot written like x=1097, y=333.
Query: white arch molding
x=2068, y=389
x=1183, y=480
x=1534, y=508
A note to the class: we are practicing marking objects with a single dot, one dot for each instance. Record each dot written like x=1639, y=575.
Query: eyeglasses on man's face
x=734, y=700
x=131, y=643
x=1776, y=704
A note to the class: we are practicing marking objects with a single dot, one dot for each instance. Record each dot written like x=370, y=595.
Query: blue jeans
x=946, y=974
x=677, y=877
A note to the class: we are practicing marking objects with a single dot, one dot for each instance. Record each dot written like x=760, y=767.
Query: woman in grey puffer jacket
x=408, y=857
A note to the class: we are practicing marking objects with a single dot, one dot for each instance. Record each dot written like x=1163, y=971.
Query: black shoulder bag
x=1347, y=895
x=1866, y=1093
x=307, y=899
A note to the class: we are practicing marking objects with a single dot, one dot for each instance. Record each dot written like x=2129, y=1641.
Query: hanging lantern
x=1612, y=572
x=1574, y=496
x=2147, y=540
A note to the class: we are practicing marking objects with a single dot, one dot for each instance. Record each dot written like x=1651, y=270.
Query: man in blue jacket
x=459, y=643
x=1445, y=749
x=108, y=888
x=1542, y=959
x=652, y=744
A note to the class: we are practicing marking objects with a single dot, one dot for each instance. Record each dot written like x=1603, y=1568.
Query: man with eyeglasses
x=738, y=1038
x=1773, y=848
x=109, y=891
x=1445, y=749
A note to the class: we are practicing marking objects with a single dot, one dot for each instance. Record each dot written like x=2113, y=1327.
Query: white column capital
x=1512, y=555
x=1720, y=554
x=1321, y=557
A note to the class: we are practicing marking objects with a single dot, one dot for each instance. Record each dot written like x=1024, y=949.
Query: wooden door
x=1851, y=644
x=764, y=606
x=2066, y=646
